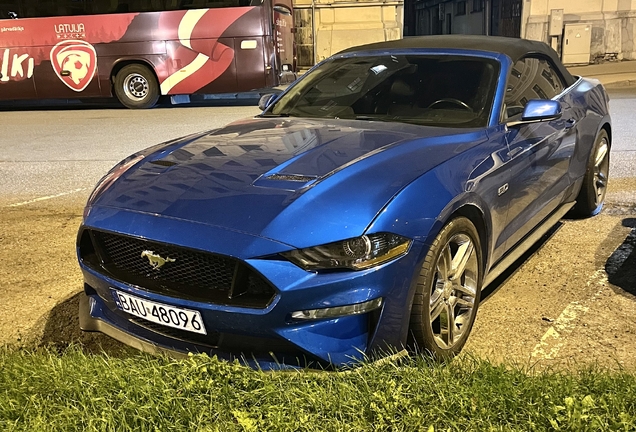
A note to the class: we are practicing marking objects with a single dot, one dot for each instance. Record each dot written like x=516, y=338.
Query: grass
x=46, y=390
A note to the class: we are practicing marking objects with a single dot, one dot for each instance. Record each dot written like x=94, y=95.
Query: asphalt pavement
x=48, y=152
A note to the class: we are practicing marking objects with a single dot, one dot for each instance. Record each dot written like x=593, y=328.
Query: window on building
x=460, y=8
x=530, y=78
x=478, y=5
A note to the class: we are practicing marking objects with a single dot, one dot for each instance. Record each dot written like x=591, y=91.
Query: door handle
x=570, y=123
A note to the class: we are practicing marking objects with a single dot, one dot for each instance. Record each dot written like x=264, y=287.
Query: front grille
x=186, y=273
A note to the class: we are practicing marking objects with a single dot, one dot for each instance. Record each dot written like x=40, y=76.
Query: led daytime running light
x=334, y=312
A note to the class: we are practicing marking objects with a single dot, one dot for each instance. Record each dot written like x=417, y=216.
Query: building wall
x=466, y=19
x=330, y=27
x=613, y=24
x=326, y=27
x=470, y=22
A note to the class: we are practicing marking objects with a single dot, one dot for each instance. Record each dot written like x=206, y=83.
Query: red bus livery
x=84, y=49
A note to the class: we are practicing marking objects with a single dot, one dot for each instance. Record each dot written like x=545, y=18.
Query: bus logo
x=75, y=63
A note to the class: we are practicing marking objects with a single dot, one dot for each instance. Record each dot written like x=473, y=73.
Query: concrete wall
x=613, y=24
x=337, y=25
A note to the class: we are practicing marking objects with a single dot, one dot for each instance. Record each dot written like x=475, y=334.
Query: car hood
x=297, y=181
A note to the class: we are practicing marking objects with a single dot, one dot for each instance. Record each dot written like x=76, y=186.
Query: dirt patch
x=37, y=249
x=40, y=278
x=60, y=328
x=569, y=301
x=539, y=313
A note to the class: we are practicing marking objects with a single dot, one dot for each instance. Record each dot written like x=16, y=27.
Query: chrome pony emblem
x=156, y=261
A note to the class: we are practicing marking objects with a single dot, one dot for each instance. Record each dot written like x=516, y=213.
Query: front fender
x=420, y=210
x=589, y=99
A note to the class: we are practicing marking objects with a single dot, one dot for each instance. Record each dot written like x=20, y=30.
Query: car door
x=539, y=153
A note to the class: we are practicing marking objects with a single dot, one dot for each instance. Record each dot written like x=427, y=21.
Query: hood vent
x=163, y=162
x=291, y=177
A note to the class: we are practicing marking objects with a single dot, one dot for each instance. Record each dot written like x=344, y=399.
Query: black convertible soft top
x=512, y=47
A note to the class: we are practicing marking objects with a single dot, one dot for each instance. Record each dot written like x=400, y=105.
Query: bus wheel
x=136, y=87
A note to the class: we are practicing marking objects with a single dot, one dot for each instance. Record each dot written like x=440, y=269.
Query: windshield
x=435, y=90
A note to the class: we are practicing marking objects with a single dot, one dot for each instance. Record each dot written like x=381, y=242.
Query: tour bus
x=139, y=50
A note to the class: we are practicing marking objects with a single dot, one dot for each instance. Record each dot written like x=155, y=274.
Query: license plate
x=159, y=313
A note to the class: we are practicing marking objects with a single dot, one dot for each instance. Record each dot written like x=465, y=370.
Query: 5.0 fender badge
x=156, y=261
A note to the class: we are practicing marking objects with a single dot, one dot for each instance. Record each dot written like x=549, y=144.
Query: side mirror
x=538, y=110
x=266, y=100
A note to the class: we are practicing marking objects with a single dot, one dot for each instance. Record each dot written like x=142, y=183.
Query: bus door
x=284, y=42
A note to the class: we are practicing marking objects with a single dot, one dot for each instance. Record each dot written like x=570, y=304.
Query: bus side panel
x=203, y=52
x=115, y=54
x=210, y=68
x=254, y=49
x=57, y=54
x=190, y=51
x=81, y=83
x=16, y=73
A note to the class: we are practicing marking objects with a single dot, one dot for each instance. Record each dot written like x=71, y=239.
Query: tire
x=136, y=87
x=591, y=197
x=443, y=292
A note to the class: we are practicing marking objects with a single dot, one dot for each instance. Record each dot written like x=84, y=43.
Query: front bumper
x=269, y=337
x=255, y=352
x=90, y=320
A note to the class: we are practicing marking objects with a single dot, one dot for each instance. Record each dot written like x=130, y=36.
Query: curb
x=621, y=84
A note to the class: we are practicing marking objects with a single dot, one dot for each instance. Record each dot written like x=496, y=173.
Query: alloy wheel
x=601, y=171
x=454, y=290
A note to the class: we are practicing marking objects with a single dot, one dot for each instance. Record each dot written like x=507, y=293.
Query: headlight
x=356, y=253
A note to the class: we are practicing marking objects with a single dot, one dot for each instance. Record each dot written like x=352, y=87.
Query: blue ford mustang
x=364, y=209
